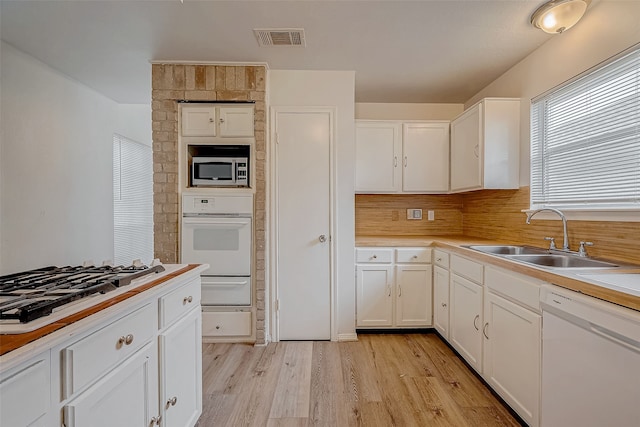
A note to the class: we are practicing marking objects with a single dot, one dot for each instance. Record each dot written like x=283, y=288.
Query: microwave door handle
x=233, y=225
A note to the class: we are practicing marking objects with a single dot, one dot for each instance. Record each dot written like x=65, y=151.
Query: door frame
x=271, y=285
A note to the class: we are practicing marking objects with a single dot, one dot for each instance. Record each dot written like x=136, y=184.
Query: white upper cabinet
x=211, y=120
x=485, y=146
x=236, y=121
x=378, y=153
x=396, y=157
x=198, y=120
x=425, y=150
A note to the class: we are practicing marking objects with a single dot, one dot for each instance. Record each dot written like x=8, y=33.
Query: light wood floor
x=381, y=380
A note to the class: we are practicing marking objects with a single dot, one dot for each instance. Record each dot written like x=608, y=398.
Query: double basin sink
x=541, y=257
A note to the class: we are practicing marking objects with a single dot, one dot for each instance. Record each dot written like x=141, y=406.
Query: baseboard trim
x=347, y=337
x=396, y=331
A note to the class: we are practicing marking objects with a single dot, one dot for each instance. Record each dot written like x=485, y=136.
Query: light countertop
x=569, y=279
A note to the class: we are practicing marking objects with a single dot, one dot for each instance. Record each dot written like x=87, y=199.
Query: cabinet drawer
x=178, y=302
x=229, y=323
x=441, y=259
x=519, y=288
x=413, y=255
x=467, y=268
x=374, y=255
x=86, y=360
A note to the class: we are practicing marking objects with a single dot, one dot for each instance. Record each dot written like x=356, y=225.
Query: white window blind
x=132, y=201
x=585, y=140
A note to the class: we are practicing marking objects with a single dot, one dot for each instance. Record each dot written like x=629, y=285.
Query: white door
x=466, y=320
x=374, y=295
x=425, y=151
x=378, y=150
x=236, y=121
x=511, y=359
x=413, y=295
x=303, y=203
x=466, y=150
x=441, y=301
x=198, y=120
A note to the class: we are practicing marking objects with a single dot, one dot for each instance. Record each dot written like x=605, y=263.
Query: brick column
x=176, y=82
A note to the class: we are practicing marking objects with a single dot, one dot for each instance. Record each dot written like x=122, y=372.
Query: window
x=585, y=140
x=132, y=201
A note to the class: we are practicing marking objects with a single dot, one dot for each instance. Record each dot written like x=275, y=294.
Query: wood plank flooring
x=381, y=380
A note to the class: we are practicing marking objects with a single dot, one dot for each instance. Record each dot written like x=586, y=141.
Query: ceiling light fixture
x=557, y=16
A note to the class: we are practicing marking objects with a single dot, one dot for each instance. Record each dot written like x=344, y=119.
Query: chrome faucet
x=565, y=244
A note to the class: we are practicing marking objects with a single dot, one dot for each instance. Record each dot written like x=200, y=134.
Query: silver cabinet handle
x=155, y=421
x=475, y=151
x=172, y=401
x=438, y=259
x=374, y=256
x=395, y=161
x=221, y=120
x=187, y=300
x=414, y=257
x=484, y=330
x=128, y=339
x=405, y=161
x=444, y=304
x=474, y=322
x=210, y=119
x=399, y=290
x=389, y=287
x=322, y=238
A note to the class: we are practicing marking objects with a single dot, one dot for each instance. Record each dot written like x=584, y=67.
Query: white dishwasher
x=590, y=361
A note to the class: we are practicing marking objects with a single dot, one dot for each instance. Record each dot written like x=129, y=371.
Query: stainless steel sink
x=561, y=261
x=507, y=249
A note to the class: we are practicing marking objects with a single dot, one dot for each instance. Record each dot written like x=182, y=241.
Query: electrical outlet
x=414, y=213
x=431, y=215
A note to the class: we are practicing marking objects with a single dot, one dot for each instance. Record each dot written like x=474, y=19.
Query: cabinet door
x=425, y=157
x=127, y=396
x=378, y=151
x=181, y=371
x=198, y=120
x=441, y=301
x=466, y=319
x=25, y=394
x=236, y=121
x=466, y=150
x=511, y=365
x=413, y=295
x=374, y=298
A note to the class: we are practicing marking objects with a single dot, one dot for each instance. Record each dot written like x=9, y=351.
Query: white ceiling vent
x=280, y=36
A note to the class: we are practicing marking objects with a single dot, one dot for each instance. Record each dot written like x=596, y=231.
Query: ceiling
x=401, y=51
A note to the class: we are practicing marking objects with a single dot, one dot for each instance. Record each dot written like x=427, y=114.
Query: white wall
x=331, y=89
x=56, y=159
x=406, y=111
x=607, y=28
x=134, y=122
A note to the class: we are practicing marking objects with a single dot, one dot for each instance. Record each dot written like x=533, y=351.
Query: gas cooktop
x=33, y=294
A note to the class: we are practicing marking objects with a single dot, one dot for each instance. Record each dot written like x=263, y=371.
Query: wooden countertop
x=564, y=278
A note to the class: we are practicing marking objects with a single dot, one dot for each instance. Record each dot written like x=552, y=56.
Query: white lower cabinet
x=24, y=400
x=413, y=298
x=127, y=396
x=374, y=296
x=466, y=319
x=441, y=301
x=512, y=342
x=181, y=371
x=393, y=294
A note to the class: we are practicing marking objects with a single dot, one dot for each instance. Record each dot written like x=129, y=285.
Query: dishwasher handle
x=626, y=342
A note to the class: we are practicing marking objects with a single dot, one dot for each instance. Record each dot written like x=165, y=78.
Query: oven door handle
x=216, y=222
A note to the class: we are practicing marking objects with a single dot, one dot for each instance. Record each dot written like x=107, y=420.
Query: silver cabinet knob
x=444, y=304
x=128, y=339
x=210, y=119
x=187, y=300
x=155, y=421
x=322, y=238
x=221, y=120
x=172, y=402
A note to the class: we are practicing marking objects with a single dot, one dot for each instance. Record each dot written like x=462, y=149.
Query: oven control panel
x=218, y=205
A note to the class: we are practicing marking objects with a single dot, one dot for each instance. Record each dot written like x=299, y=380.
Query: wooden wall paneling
x=496, y=214
x=386, y=214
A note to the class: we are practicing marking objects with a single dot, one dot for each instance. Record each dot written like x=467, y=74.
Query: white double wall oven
x=217, y=230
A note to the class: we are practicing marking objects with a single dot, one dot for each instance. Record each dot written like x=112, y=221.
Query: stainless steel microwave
x=219, y=172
